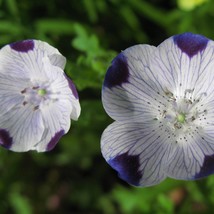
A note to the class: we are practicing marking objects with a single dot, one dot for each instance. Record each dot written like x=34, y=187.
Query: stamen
x=24, y=91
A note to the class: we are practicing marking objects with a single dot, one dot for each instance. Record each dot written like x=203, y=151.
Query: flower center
x=181, y=118
x=181, y=115
x=42, y=92
x=36, y=95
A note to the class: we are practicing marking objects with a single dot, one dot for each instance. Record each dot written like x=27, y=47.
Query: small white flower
x=162, y=100
x=37, y=100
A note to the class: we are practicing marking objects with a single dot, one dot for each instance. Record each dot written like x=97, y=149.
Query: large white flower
x=162, y=99
x=37, y=100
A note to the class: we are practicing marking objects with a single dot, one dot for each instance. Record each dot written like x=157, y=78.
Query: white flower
x=37, y=100
x=162, y=99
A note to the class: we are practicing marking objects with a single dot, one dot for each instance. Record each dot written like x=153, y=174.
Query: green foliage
x=19, y=203
x=74, y=178
x=92, y=63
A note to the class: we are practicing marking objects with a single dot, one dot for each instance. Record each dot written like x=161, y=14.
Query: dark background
x=74, y=178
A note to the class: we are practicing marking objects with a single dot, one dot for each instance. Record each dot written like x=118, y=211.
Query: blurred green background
x=74, y=178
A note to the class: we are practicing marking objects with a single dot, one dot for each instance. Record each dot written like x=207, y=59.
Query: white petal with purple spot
x=25, y=127
x=37, y=100
x=131, y=98
x=162, y=100
x=57, y=120
x=182, y=73
x=60, y=88
x=137, y=151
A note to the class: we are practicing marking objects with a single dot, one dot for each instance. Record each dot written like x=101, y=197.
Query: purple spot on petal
x=207, y=168
x=190, y=43
x=72, y=87
x=118, y=72
x=127, y=167
x=5, y=139
x=23, y=46
x=54, y=140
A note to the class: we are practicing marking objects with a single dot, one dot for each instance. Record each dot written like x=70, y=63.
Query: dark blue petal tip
x=207, y=168
x=118, y=72
x=5, y=139
x=54, y=140
x=23, y=46
x=190, y=43
x=72, y=87
x=127, y=167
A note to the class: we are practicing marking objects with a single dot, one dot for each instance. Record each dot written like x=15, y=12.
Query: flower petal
x=187, y=159
x=23, y=46
x=56, y=118
x=54, y=140
x=11, y=64
x=63, y=105
x=10, y=92
x=75, y=100
x=24, y=128
x=5, y=139
x=63, y=87
x=191, y=44
x=207, y=167
x=56, y=115
x=132, y=96
x=183, y=63
x=56, y=58
x=24, y=59
x=137, y=151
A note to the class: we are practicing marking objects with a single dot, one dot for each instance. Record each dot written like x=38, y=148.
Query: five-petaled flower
x=161, y=99
x=37, y=99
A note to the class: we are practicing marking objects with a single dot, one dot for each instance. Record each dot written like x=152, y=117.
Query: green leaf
x=10, y=27
x=20, y=204
x=56, y=26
